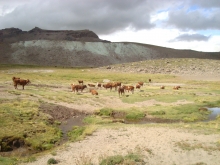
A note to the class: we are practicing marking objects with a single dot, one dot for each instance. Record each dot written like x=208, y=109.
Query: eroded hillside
x=81, y=48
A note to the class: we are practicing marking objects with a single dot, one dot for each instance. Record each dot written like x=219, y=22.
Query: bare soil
x=157, y=144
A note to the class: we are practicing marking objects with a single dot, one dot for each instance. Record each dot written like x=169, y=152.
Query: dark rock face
x=14, y=35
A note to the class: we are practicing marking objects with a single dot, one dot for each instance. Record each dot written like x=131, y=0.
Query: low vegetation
x=131, y=158
x=52, y=161
x=23, y=124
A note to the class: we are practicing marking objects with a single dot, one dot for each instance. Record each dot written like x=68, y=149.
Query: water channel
x=214, y=113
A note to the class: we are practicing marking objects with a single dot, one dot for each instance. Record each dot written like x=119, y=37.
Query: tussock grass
x=186, y=113
x=93, y=119
x=79, y=133
x=188, y=146
x=22, y=120
x=130, y=158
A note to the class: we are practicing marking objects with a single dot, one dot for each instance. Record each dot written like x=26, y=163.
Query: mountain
x=81, y=48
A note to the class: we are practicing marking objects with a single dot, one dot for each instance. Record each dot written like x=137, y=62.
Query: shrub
x=135, y=115
x=52, y=161
x=158, y=112
x=112, y=160
x=76, y=133
x=7, y=161
x=105, y=112
x=118, y=159
x=133, y=157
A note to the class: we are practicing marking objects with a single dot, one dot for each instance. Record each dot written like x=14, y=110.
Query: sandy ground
x=158, y=145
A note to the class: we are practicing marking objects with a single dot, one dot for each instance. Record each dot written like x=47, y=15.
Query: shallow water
x=214, y=113
x=150, y=121
x=70, y=123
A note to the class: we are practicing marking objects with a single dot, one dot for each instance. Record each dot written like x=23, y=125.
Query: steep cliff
x=16, y=35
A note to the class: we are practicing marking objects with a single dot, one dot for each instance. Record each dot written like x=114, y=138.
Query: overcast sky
x=179, y=24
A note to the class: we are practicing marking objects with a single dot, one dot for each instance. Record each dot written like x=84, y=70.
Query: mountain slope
x=81, y=48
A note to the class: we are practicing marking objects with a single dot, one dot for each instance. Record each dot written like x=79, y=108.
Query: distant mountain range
x=81, y=48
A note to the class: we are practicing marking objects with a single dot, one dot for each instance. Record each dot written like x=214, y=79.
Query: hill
x=81, y=48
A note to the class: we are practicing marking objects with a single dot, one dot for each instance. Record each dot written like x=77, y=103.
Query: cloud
x=195, y=15
x=190, y=37
x=109, y=16
x=103, y=17
x=194, y=20
x=205, y=3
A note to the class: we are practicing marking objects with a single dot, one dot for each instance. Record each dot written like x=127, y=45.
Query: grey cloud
x=205, y=3
x=195, y=20
x=191, y=37
x=108, y=16
x=100, y=16
x=195, y=15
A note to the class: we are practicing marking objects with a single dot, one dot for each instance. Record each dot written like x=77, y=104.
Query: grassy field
x=22, y=123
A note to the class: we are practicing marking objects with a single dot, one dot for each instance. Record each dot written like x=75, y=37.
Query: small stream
x=78, y=121
x=69, y=124
x=214, y=113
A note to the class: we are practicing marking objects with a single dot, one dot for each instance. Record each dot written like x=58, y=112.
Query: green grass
x=72, y=75
x=186, y=113
x=134, y=114
x=52, y=161
x=79, y=133
x=187, y=146
x=131, y=158
x=7, y=161
x=22, y=120
x=93, y=119
x=105, y=111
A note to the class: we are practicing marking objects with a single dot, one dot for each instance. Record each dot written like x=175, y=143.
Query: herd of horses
x=110, y=85
x=93, y=87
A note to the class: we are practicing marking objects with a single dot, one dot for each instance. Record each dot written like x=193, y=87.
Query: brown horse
x=121, y=91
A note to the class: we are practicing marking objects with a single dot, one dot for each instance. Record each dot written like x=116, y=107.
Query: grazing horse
x=162, y=87
x=73, y=87
x=176, y=87
x=118, y=83
x=80, y=82
x=138, y=86
x=141, y=83
x=91, y=85
x=121, y=91
x=93, y=92
x=99, y=85
x=128, y=88
x=108, y=85
x=80, y=87
x=114, y=85
x=18, y=81
x=149, y=80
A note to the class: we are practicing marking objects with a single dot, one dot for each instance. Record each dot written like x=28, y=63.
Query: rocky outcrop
x=15, y=35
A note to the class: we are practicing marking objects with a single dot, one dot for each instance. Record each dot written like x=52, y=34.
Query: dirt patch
x=59, y=112
x=68, y=117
